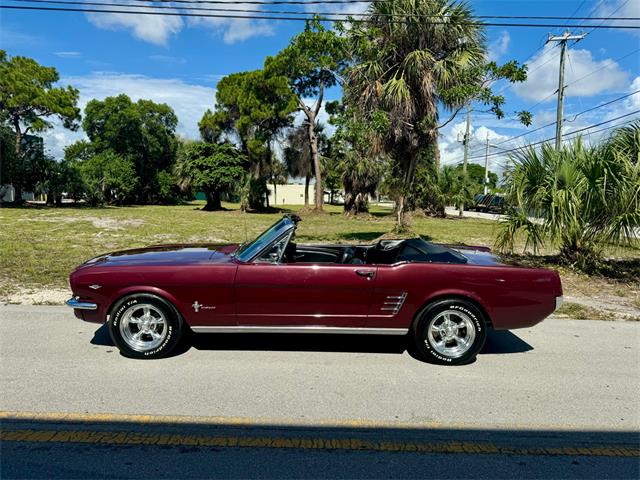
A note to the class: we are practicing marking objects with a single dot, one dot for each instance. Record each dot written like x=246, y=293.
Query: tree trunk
x=17, y=186
x=433, y=137
x=306, y=191
x=348, y=203
x=400, y=220
x=275, y=194
x=313, y=142
x=315, y=156
x=213, y=201
x=401, y=203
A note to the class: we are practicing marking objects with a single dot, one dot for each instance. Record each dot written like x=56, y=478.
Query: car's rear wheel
x=145, y=326
x=450, y=332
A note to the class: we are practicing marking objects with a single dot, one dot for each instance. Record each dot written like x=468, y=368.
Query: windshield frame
x=248, y=251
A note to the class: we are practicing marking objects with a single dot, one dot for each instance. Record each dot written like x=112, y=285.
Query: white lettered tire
x=450, y=332
x=145, y=326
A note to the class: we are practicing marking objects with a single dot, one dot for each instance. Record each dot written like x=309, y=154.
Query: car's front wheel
x=144, y=326
x=450, y=332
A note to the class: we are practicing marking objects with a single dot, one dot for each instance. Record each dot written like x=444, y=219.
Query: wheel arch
x=149, y=290
x=476, y=302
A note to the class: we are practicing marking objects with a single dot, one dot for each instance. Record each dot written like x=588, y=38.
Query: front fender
x=123, y=292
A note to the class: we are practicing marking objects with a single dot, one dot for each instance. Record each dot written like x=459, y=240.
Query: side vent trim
x=393, y=303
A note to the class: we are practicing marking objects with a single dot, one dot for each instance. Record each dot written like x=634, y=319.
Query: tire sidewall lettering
x=173, y=327
x=426, y=321
x=163, y=345
x=121, y=309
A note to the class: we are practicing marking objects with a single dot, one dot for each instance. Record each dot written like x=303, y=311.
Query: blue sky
x=179, y=60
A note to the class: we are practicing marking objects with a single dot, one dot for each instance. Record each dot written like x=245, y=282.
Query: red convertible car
x=443, y=297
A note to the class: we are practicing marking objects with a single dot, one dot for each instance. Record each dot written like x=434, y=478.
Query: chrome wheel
x=451, y=333
x=143, y=327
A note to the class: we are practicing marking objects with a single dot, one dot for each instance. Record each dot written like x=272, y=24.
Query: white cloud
x=452, y=149
x=233, y=29
x=151, y=28
x=15, y=38
x=188, y=101
x=543, y=75
x=158, y=29
x=168, y=59
x=499, y=46
x=67, y=54
x=633, y=102
x=619, y=8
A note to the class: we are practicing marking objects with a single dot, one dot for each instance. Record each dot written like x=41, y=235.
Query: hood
x=175, y=254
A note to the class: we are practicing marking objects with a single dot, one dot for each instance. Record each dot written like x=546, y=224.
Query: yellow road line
x=136, y=438
x=278, y=422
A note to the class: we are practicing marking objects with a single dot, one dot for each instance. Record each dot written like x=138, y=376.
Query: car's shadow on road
x=498, y=342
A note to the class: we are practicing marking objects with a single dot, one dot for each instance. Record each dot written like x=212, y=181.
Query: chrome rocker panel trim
x=301, y=329
x=80, y=305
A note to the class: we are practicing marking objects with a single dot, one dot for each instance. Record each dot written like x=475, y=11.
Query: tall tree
x=212, y=168
x=313, y=62
x=355, y=146
x=251, y=109
x=142, y=131
x=28, y=102
x=406, y=54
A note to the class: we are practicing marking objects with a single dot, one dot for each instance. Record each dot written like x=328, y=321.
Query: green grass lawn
x=39, y=246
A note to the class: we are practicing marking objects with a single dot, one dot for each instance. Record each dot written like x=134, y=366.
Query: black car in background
x=489, y=203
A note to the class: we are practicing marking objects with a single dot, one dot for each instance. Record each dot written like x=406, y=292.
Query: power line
x=573, y=134
x=289, y=12
x=612, y=13
x=563, y=135
x=281, y=2
x=573, y=119
x=607, y=64
x=567, y=119
x=272, y=17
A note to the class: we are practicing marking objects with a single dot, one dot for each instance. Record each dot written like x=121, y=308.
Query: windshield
x=247, y=251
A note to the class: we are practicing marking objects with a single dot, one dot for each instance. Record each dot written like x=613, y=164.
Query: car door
x=304, y=294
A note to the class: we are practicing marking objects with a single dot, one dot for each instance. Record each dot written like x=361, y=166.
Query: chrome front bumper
x=75, y=302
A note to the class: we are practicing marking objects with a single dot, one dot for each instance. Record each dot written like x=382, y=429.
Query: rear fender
x=463, y=295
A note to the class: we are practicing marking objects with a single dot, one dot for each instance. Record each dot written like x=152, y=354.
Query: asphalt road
x=525, y=408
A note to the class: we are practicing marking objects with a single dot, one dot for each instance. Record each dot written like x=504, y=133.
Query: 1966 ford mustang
x=443, y=297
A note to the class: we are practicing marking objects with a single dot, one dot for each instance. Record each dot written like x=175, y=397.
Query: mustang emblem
x=198, y=306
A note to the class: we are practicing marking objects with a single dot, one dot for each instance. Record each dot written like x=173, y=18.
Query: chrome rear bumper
x=74, y=302
x=559, y=301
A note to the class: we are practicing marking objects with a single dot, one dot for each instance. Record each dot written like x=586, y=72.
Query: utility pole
x=486, y=166
x=466, y=154
x=566, y=36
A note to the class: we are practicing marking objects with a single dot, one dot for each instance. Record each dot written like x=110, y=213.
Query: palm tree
x=585, y=197
x=298, y=157
x=278, y=175
x=407, y=53
x=360, y=178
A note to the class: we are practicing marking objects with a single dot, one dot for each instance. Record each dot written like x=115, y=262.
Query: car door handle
x=366, y=273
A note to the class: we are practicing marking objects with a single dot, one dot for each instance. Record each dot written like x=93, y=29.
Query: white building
x=293, y=194
x=290, y=194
